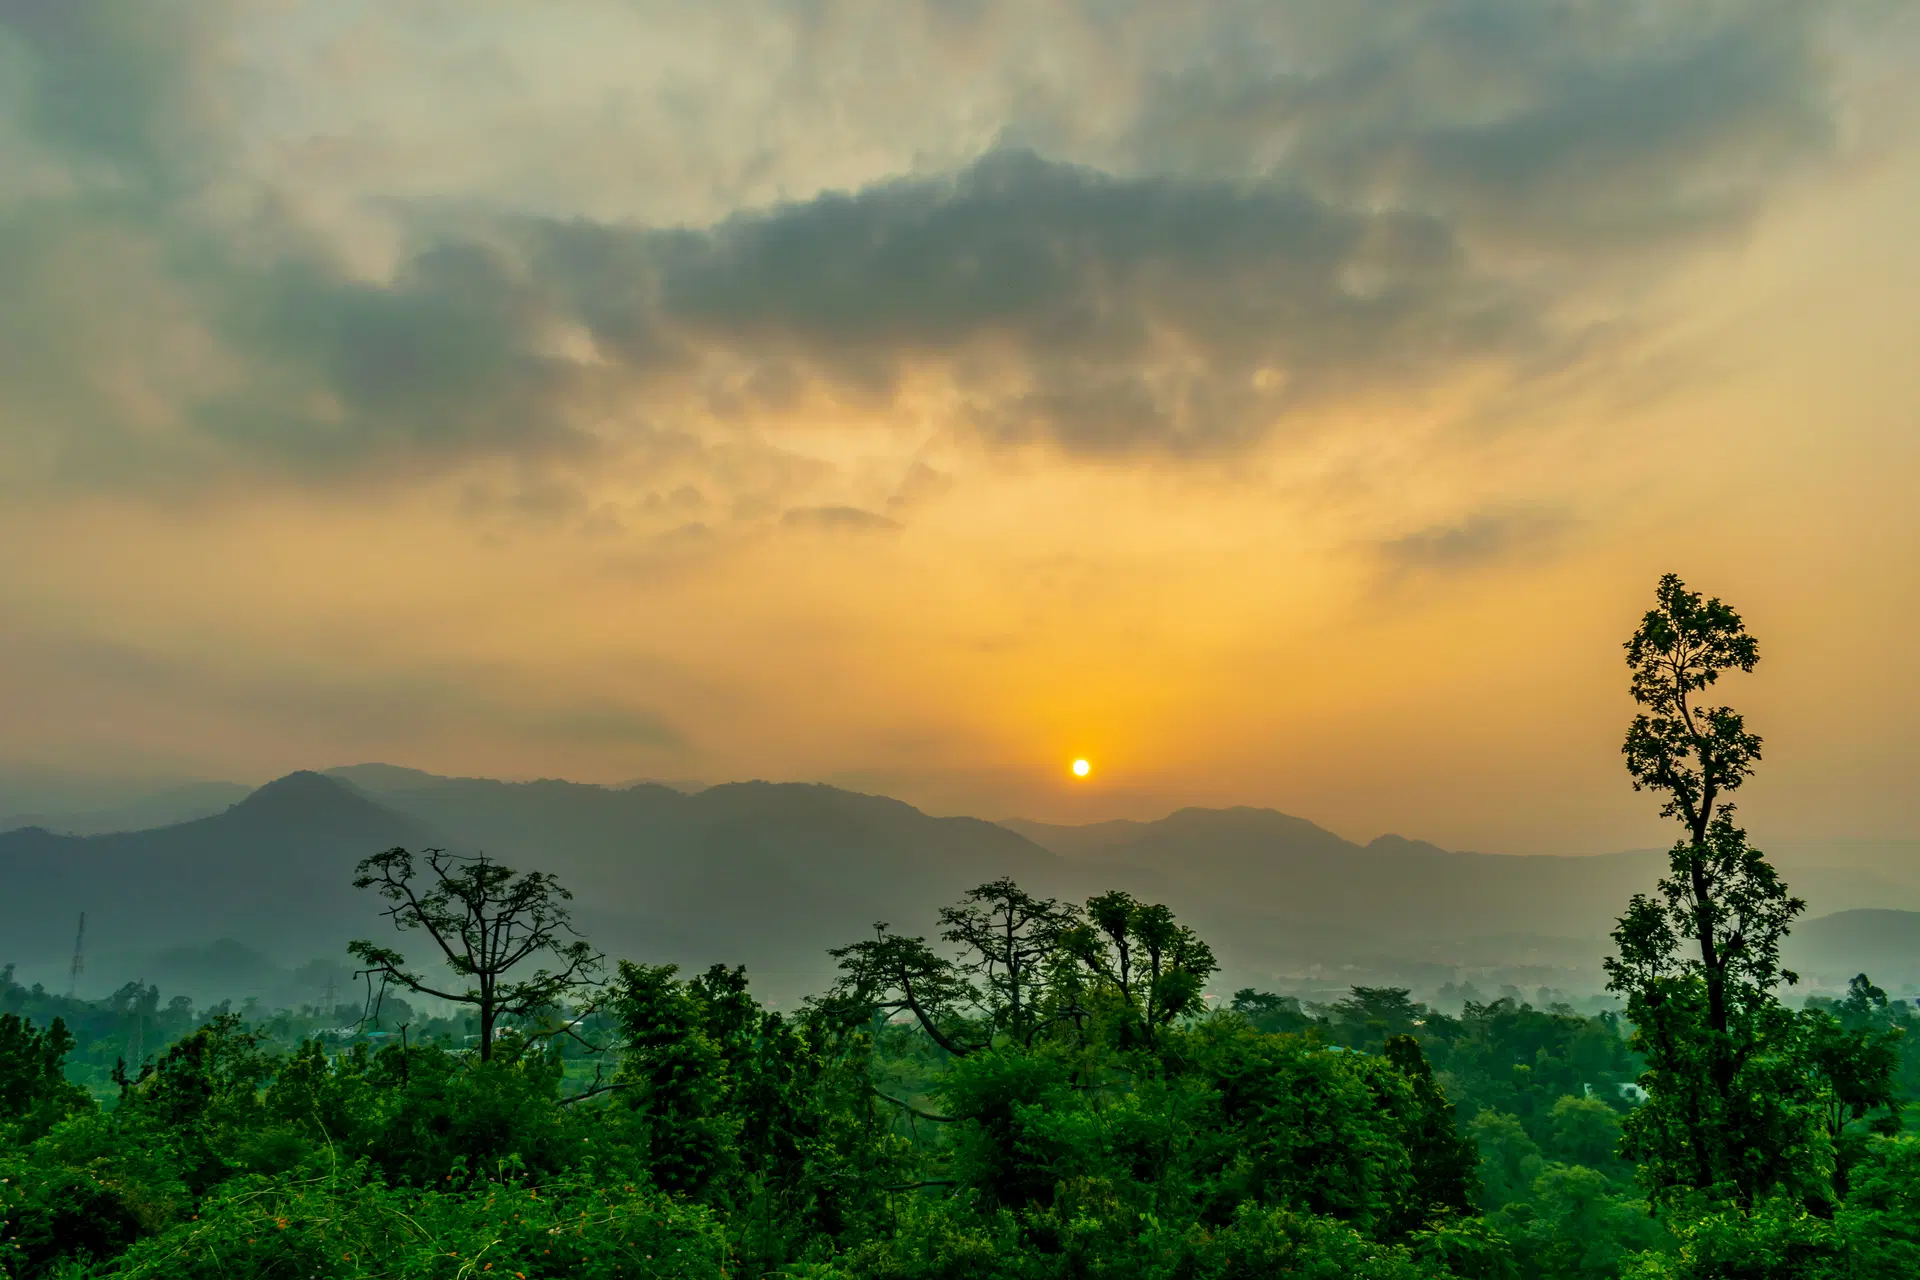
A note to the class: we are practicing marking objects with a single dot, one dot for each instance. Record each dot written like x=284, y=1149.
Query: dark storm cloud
x=1315, y=201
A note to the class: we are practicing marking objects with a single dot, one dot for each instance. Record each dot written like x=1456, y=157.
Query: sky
x=1287, y=403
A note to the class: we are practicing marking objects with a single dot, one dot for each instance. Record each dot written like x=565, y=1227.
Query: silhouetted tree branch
x=487, y=920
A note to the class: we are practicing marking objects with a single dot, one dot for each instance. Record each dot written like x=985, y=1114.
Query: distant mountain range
x=181, y=803
x=771, y=875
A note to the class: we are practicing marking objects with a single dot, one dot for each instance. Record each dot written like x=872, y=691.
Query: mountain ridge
x=772, y=874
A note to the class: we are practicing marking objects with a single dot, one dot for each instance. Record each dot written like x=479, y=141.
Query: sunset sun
x=1081, y=768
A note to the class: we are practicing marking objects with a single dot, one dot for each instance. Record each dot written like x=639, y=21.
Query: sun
x=1081, y=768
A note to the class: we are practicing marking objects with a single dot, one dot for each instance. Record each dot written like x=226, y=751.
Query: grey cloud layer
x=1482, y=540
x=1107, y=314
x=1569, y=126
x=1311, y=201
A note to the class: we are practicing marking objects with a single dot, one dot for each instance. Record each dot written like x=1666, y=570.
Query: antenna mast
x=79, y=957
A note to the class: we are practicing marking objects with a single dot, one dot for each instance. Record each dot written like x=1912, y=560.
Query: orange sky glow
x=918, y=398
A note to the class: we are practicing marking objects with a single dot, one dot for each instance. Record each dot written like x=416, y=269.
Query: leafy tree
x=1270, y=1012
x=1008, y=937
x=1699, y=960
x=1574, y=1224
x=1445, y=1173
x=1584, y=1131
x=1510, y=1057
x=1151, y=966
x=1303, y=1125
x=891, y=973
x=1262, y=1242
x=1852, y=1070
x=343, y=1222
x=742, y=1108
x=676, y=1068
x=1720, y=896
x=1369, y=1016
x=34, y=1093
x=1866, y=1007
x=1009, y=1145
x=1774, y=1239
x=1509, y=1159
x=487, y=920
x=1880, y=1221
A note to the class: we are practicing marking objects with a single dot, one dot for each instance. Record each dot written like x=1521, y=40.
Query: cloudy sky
x=1282, y=403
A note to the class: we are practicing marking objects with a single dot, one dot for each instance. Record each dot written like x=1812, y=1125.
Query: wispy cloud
x=1483, y=540
x=844, y=519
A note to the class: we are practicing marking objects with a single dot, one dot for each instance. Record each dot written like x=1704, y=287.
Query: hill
x=273, y=871
x=1256, y=865
x=161, y=808
x=1296, y=899
x=765, y=874
x=1882, y=943
x=772, y=874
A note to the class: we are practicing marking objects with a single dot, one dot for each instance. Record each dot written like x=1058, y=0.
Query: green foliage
x=1776, y=1239
x=1511, y=1057
x=1584, y=1131
x=35, y=1094
x=679, y=1075
x=127, y=1026
x=1126, y=1133
x=1260, y=1243
x=1575, y=1223
x=890, y=974
x=1469, y=1248
x=1118, y=969
x=1880, y=1221
x=1149, y=969
x=1509, y=1159
x=346, y=1223
x=1370, y=1016
x=1273, y=1013
x=1444, y=1163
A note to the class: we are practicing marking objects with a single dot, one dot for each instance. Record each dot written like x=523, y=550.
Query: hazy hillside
x=1255, y=864
x=1884, y=944
x=272, y=871
x=161, y=808
x=771, y=875
x=765, y=874
x=1295, y=898
x=756, y=873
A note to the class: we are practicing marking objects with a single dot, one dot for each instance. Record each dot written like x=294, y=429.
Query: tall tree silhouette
x=487, y=920
x=1699, y=959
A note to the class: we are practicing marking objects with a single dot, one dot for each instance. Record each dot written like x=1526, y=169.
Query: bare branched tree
x=487, y=921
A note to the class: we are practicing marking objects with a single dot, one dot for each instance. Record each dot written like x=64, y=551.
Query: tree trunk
x=487, y=1016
